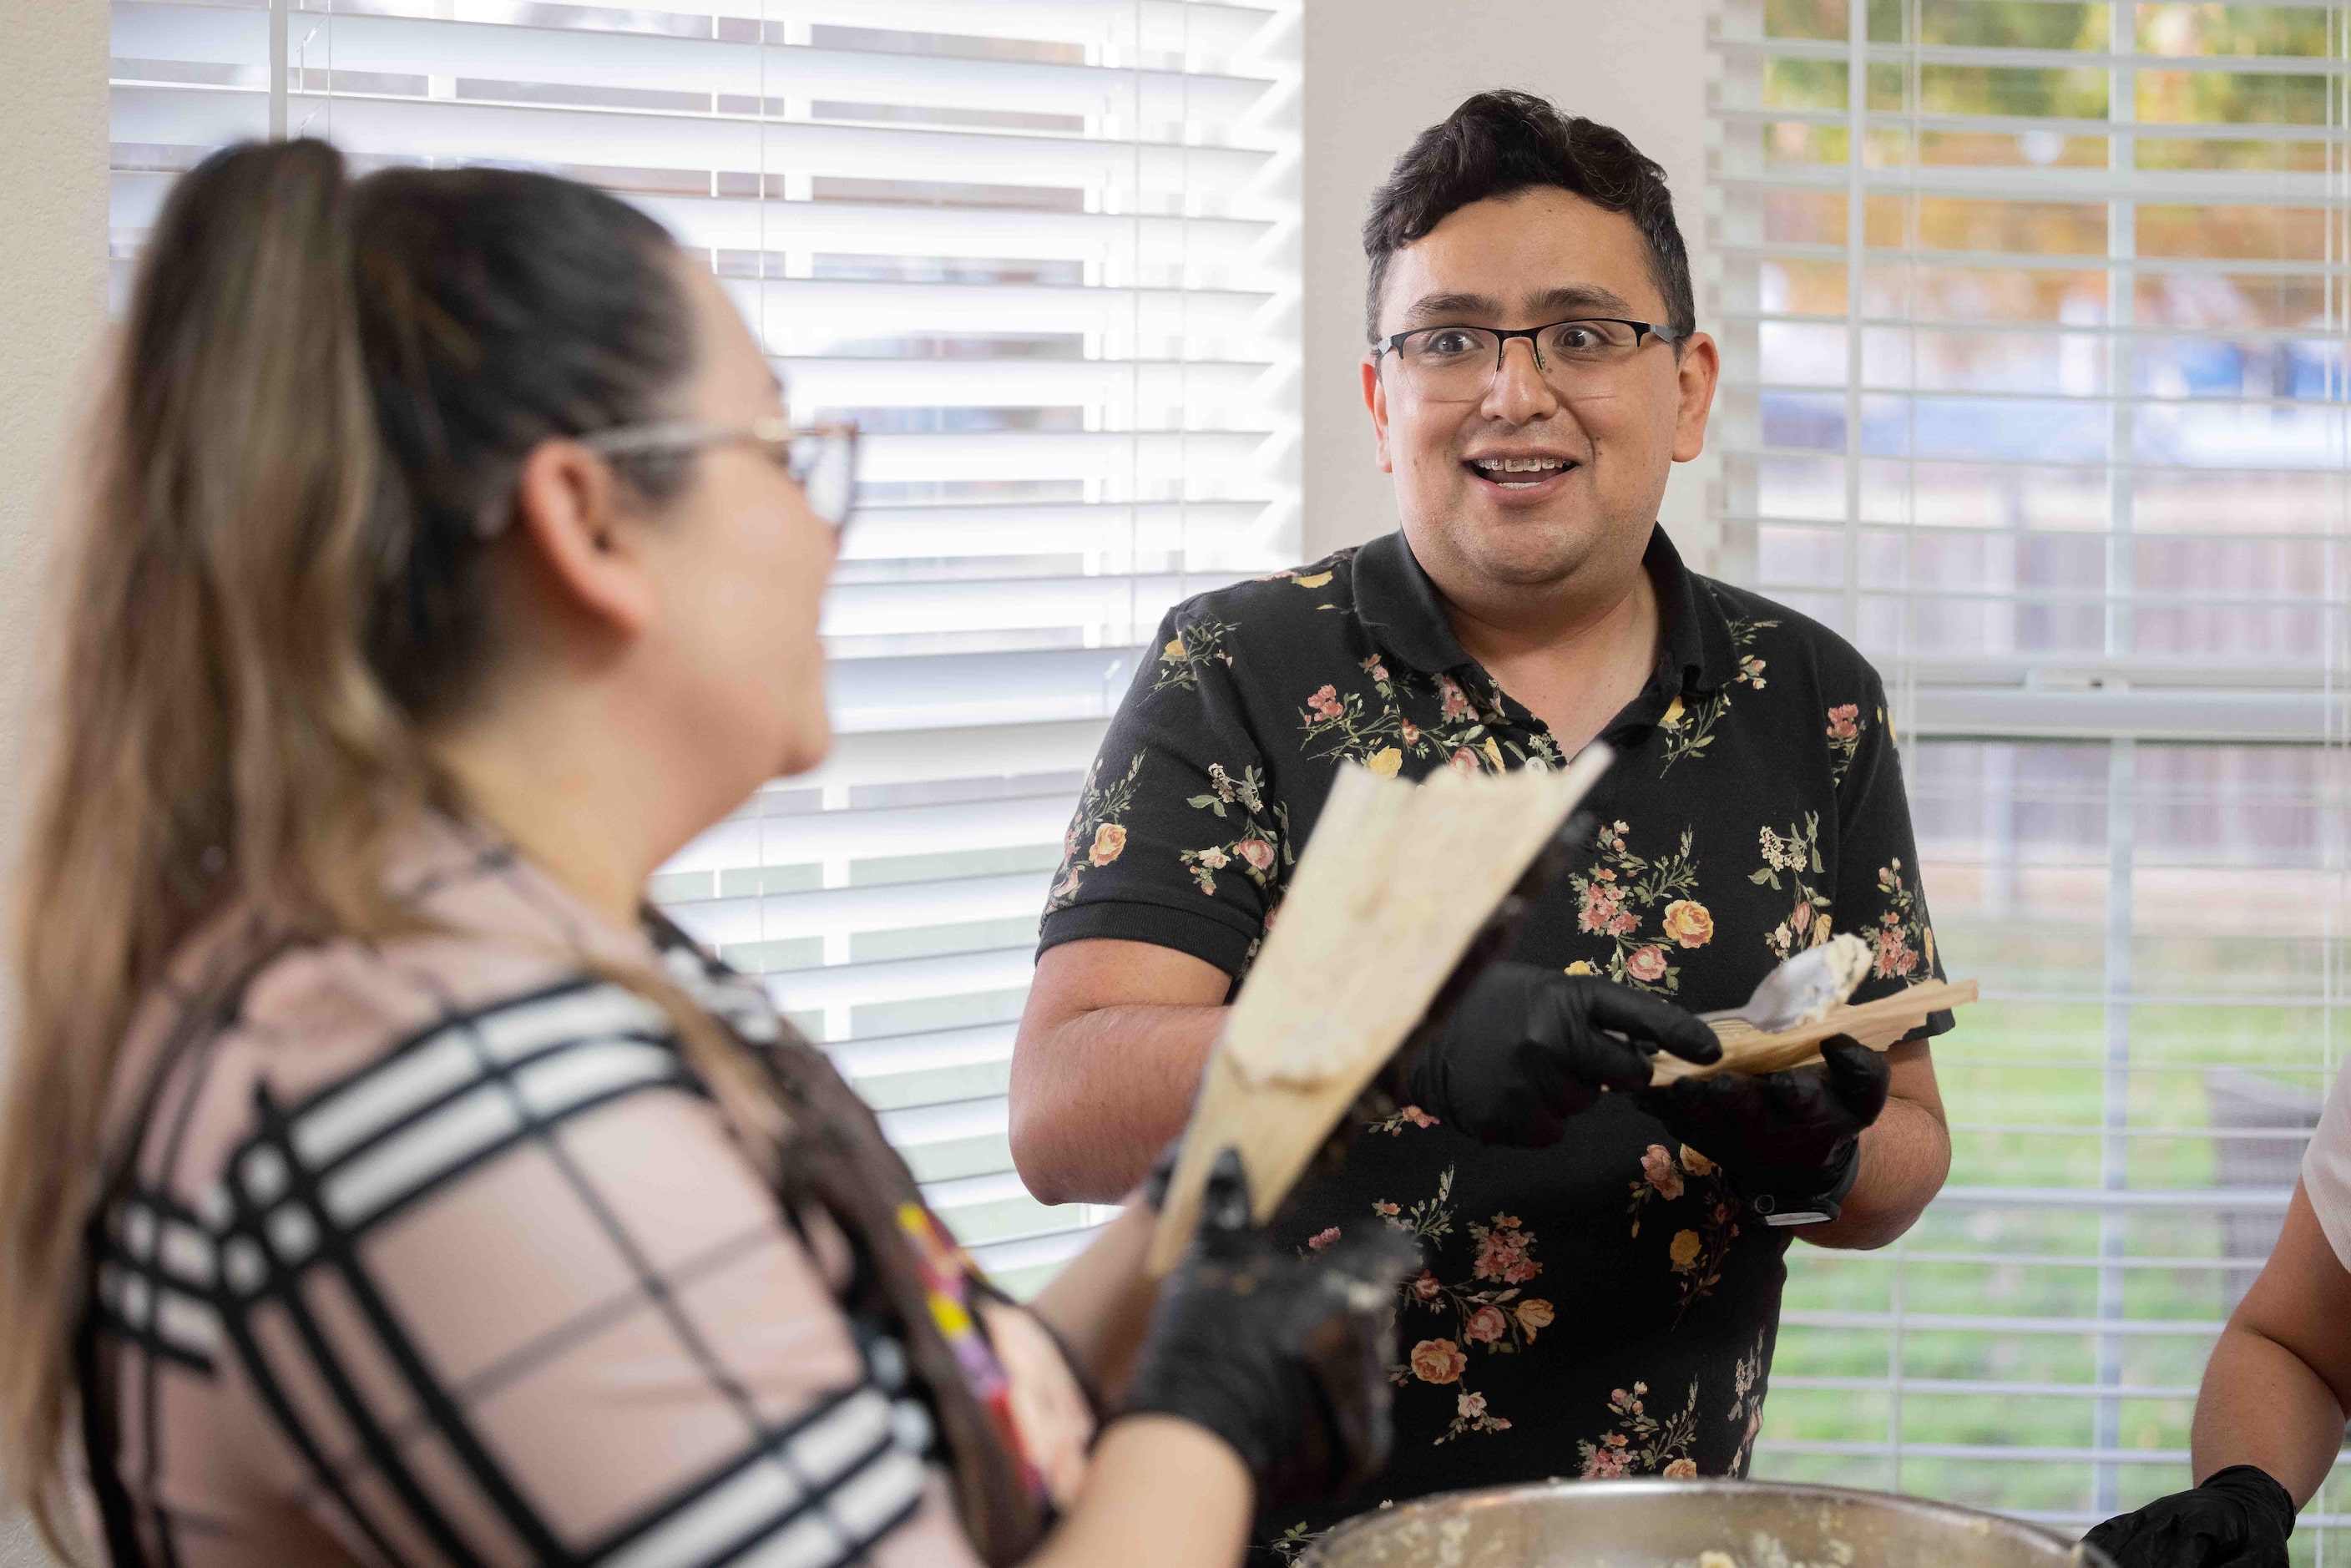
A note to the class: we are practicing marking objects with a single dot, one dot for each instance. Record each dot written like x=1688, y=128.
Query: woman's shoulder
x=319, y=1048
x=489, y=1169
x=492, y=967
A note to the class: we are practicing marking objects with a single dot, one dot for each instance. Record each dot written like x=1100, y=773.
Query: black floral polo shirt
x=1603, y=1307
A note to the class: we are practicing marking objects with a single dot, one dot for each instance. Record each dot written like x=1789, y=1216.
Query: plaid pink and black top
x=434, y=1252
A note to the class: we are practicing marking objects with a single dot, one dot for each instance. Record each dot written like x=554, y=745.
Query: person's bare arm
x=1905, y=1155
x=2279, y=1382
x=1100, y=1304
x=1162, y=1493
x=1106, y=1063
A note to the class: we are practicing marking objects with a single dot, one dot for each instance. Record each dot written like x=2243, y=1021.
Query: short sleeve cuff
x=1939, y=1021
x=1186, y=931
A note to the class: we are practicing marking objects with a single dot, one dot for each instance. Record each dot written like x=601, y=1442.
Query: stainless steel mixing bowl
x=1666, y=1524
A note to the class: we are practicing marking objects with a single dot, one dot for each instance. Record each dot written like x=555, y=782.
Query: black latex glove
x=1152, y=1190
x=1527, y=1047
x=2239, y=1518
x=1286, y=1359
x=1789, y=1142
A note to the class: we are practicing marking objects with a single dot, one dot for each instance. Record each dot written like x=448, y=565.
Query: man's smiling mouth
x=1518, y=473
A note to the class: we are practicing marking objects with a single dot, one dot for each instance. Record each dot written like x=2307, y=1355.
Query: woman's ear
x=567, y=521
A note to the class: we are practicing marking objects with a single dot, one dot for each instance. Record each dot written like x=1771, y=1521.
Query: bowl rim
x=2083, y=1554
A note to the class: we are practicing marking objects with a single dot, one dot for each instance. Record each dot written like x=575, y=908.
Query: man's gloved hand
x=2239, y=1518
x=1152, y=1190
x=1286, y=1359
x=1527, y=1047
x=1790, y=1142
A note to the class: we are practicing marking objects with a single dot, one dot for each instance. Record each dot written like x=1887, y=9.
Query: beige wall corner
x=1377, y=72
x=53, y=277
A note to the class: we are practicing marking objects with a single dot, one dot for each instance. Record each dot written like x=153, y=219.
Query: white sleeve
x=2327, y=1168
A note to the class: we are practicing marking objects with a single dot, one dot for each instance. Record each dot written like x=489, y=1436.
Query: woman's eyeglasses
x=822, y=460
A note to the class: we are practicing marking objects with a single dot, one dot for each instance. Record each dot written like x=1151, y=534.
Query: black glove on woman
x=1789, y=1142
x=1286, y=1359
x=1527, y=1047
x=2239, y=1518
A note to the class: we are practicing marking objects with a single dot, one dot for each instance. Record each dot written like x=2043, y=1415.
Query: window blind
x=1044, y=251
x=2035, y=318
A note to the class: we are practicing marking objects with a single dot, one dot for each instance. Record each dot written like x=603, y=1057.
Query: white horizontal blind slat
x=1206, y=28
x=712, y=222
x=1042, y=251
x=572, y=57
x=2014, y=124
x=2036, y=320
x=400, y=128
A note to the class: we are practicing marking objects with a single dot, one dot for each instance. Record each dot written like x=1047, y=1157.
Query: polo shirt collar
x=1400, y=607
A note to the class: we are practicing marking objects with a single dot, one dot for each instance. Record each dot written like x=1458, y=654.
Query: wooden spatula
x=1362, y=945
x=1877, y=1025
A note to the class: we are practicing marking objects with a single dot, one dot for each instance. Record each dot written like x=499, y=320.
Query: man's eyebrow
x=1451, y=308
x=1556, y=304
x=1545, y=306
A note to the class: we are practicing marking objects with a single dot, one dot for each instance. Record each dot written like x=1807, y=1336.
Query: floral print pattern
x=1292, y=1542
x=1489, y=1311
x=1797, y=857
x=1640, y=1443
x=1396, y=1121
x=1193, y=648
x=1613, y=897
x=1097, y=836
x=1437, y=1361
x=1371, y=728
x=1845, y=724
x=1904, y=942
x=1261, y=850
x=1470, y=1415
x=1689, y=728
x=1746, y=1402
x=1695, y=1255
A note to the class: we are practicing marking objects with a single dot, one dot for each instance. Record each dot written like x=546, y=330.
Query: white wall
x=52, y=306
x=1377, y=72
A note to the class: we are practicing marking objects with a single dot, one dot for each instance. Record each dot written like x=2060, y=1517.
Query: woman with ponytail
x=382, y=1181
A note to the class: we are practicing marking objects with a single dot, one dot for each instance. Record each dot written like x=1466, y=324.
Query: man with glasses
x=1602, y=1271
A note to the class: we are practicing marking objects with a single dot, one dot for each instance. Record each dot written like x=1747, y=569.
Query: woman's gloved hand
x=1789, y=1142
x=2239, y=1518
x=1527, y=1047
x=1284, y=1358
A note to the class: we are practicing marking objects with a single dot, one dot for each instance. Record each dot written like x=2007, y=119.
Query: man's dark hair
x=1499, y=143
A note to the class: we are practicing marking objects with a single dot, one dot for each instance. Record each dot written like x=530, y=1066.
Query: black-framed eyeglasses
x=823, y=460
x=1577, y=357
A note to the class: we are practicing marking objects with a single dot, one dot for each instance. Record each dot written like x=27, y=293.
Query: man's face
x=1606, y=441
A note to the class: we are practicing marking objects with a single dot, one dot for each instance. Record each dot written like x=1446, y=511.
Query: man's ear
x=1700, y=364
x=566, y=517
x=1375, y=398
